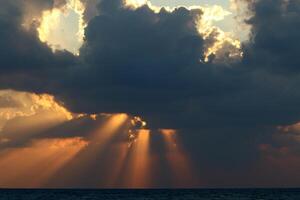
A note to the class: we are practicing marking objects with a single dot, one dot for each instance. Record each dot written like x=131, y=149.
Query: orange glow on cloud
x=33, y=114
x=33, y=166
x=30, y=104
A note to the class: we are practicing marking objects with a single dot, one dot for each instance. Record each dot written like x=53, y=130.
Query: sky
x=149, y=94
x=223, y=3
x=228, y=24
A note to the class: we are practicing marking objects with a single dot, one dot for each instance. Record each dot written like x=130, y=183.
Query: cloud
x=159, y=54
x=23, y=116
x=25, y=59
x=275, y=36
x=150, y=63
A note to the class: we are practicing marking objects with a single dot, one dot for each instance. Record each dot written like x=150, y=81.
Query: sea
x=149, y=194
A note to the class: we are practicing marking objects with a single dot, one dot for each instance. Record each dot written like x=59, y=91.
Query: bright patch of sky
x=64, y=28
x=229, y=24
x=171, y=3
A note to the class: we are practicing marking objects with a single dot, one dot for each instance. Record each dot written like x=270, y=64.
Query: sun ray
x=180, y=165
x=100, y=143
x=107, y=131
x=32, y=166
x=137, y=173
x=116, y=159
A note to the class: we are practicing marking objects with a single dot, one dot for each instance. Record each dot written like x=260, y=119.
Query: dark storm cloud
x=137, y=59
x=149, y=64
x=25, y=61
x=275, y=40
x=15, y=12
x=91, y=9
x=271, y=59
x=133, y=61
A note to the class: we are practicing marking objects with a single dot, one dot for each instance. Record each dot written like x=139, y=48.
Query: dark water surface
x=186, y=194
